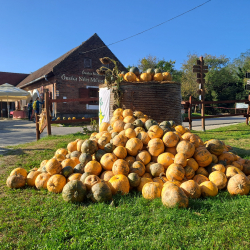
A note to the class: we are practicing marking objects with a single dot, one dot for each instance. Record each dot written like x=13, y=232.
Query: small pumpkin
x=93, y=167
x=106, y=175
x=189, y=172
x=166, y=159
x=192, y=163
x=155, y=147
x=20, y=171
x=41, y=180
x=137, y=167
x=186, y=148
x=180, y=159
x=31, y=178
x=144, y=137
x=134, y=179
x=104, y=126
x=175, y=172
x=143, y=157
x=84, y=158
x=219, y=179
x=120, y=183
x=133, y=146
x=170, y=139
x=119, y=140
x=72, y=146
x=107, y=161
x=74, y=176
x=158, y=77
x=89, y=146
x=202, y=156
x=120, y=152
x=90, y=181
x=167, y=76
x=208, y=188
x=143, y=181
x=130, y=77
x=120, y=166
x=145, y=77
x=101, y=192
x=56, y=183
x=156, y=169
x=53, y=166
x=74, y=191
x=202, y=171
x=118, y=126
x=68, y=170
x=199, y=178
x=151, y=190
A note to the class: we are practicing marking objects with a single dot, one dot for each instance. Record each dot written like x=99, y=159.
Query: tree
x=222, y=80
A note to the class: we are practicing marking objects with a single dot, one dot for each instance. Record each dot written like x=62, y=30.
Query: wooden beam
x=73, y=121
x=74, y=100
x=225, y=101
x=215, y=116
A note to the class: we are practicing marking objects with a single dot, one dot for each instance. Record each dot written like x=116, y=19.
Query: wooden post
x=202, y=95
x=1, y=109
x=37, y=127
x=190, y=112
x=47, y=107
x=248, y=111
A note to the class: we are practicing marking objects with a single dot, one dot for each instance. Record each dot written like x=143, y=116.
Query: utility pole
x=200, y=69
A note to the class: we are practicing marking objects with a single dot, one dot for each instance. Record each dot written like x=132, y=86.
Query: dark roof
x=45, y=69
x=11, y=78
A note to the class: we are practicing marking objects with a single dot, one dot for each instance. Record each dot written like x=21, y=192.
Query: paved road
x=14, y=132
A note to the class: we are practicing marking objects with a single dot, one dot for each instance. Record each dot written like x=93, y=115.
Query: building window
x=89, y=92
x=87, y=63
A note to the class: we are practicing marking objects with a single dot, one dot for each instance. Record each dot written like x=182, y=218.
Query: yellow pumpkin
x=145, y=77
x=167, y=76
x=158, y=77
x=130, y=77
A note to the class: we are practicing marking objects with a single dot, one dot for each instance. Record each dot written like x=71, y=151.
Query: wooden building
x=73, y=75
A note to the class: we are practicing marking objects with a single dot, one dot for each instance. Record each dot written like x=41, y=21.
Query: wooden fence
x=188, y=107
x=47, y=104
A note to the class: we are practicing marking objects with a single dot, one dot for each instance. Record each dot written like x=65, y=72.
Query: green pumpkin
x=109, y=148
x=149, y=123
x=158, y=71
x=135, y=70
x=67, y=171
x=110, y=128
x=138, y=123
x=123, y=72
x=114, y=134
x=79, y=168
x=89, y=146
x=74, y=191
x=134, y=179
x=172, y=124
x=165, y=124
x=150, y=71
x=84, y=176
x=99, y=153
x=85, y=158
x=101, y=192
x=75, y=154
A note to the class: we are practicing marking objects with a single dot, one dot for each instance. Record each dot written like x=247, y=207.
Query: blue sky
x=34, y=33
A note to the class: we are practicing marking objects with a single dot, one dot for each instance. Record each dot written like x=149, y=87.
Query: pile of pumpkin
x=150, y=74
x=134, y=152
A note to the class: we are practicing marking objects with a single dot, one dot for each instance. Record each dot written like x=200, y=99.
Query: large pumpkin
x=120, y=140
x=56, y=183
x=158, y=77
x=155, y=132
x=144, y=157
x=89, y=146
x=93, y=167
x=175, y=172
x=16, y=181
x=137, y=167
x=120, y=183
x=167, y=76
x=133, y=146
x=20, y=171
x=74, y=191
x=130, y=77
x=203, y=156
x=191, y=189
x=215, y=146
x=31, y=178
x=151, y=190
x=107, y=161
x=120, y=167
x=170, y=139
x=53, y=166
x=166, y=159
x=72, y=146
x=145, y=77
x=155, y=147
x=101, y=192
x=186, y=148
x=41, y=180
x=127, y=112
x=238, y=184
x=173, y=196
x=219, y=179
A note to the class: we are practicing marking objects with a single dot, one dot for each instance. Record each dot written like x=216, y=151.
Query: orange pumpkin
x=91, y=180
x=107, y=161
x=133, y=146
x=166, y=159
x=120, y=140
x=72, y=146
x=31, y=178
x=219, y=179
x=144, y=137
x=137, y=167
x=128, y=119
x=175, y=172
x=68, y=162
x=20, y=171
x=130, y=160
x=74, y=176
x=41, y=180
x=93, y=167
x=170, y=139
x=143, y=157
x=226, y=156
x=202, y=171
x=151, y=190
x=203, y=157
x=167, y=76
x=120, y=183
x=130, y=133
x=120, y=152
x=130, y=77
x=238, y=184
x=104, y=126
x=143, y=182
x=192, y=163
x=118, y=112
x=120, y=167
x=138, y=130
x=107, y=175
x=59, y=157
x=114, y=119
x=189, y=172
x=53, y=166
x=127, y=112
x=62, y=151
x=171, y=150
x=219, y=167
x=191, y=189
x=199, y=178
x=145, y=77
x=155, y=132
x=186, y=148
x=76, y=160
x=173, y=196
x=231, y=171
x=147, y=175
x=180, y=159
x=208, y=188
x=118, y=126
x=56, y=183
x=155, y=147
x=158, y=77
x=180, y=129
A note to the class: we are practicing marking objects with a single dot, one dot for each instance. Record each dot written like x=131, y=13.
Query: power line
x=198, y=6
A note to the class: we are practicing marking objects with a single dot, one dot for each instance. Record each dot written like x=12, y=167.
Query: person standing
x=30, y=108
x=36, y=107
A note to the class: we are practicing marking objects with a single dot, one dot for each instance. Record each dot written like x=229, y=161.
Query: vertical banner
x=104, y=103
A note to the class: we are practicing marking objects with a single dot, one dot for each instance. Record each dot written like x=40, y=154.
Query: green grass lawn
x=37, y=219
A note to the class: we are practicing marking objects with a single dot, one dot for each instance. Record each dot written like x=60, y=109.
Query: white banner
x=104, y=103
